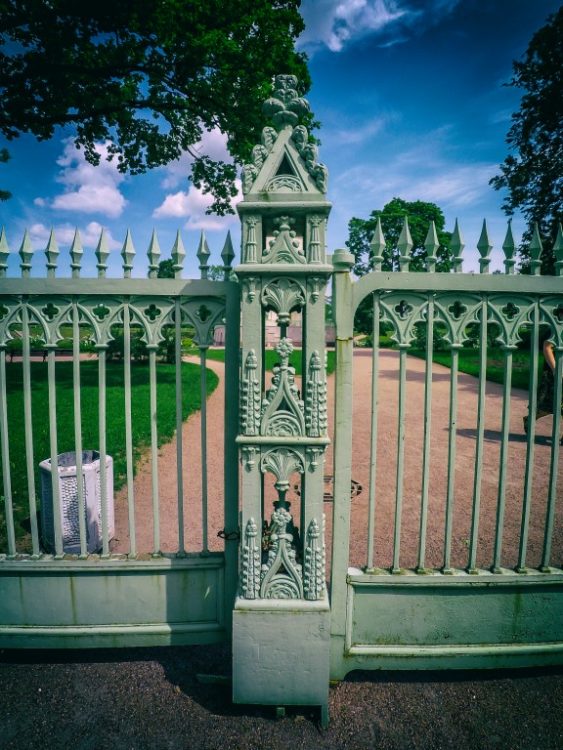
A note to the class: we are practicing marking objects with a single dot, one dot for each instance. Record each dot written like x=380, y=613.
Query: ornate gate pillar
x=281, y=628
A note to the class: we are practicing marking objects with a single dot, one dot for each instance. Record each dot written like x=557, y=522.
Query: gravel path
x=167, y=485
x=152, y=698
x=465, y=463
x=386, y=473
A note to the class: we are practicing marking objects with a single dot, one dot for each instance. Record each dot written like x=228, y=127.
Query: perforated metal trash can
x=68, y=483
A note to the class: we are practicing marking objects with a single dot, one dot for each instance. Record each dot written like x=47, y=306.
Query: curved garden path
x=386, y=472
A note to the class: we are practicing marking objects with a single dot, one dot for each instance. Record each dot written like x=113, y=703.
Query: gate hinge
x=228, y=536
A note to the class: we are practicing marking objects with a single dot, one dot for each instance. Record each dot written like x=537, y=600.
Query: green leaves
x=147, y=79
x=392, y=216
x=532, y=174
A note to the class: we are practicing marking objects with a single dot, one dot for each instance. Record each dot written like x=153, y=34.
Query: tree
x=419, y=215
x=4, y=157
x=166, y=269
x=148, y=78
x=533, y=174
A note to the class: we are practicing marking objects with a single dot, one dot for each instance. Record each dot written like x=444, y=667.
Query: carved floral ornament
x=284, y=248
x=282, y=411
x=283, y=295
x=277, y=573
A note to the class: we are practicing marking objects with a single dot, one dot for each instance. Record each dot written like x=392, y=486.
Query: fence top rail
x=115, y=287
x=520, y=284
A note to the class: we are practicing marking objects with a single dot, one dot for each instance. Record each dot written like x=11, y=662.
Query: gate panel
x=161, y=578
x=476, y=536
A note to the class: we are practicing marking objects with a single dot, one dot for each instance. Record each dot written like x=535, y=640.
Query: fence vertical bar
x=373, y=432
x=531, y=441
x=478, y=471
x=505, y=430
x=129, y=429
x=8, y=505
x=344, y=318
x=452, y=435
x=55, y=484
x=400, y=458
x=28, y=422
x=154, y=452
x=179, y=425
x=231, y=464
x=426, y=439
x=103, y=448
x=203, y=391
x=78, y=429
x=552, y=491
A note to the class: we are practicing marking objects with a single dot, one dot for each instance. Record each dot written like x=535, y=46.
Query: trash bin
x=68, y=484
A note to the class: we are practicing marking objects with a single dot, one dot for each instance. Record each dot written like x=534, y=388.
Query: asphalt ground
x=179, y=698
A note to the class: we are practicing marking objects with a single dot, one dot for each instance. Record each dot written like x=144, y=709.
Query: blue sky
x=411, y=99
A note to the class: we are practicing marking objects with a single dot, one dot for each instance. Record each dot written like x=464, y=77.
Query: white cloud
x=213, y=143
x=193, y=205
x=427, y=171
x=457, y=187
x=334, y=23
x=353, y=135
x=338, y=23
x=64, y=234
x=87, y=188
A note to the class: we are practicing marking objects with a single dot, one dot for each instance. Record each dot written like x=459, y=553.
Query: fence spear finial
x=431, y=243
x=203, y=253
x=456, y=246
x=227, y=254
x=128, y=254
x=26, y=254
x=76, y=253
x=536, y=249
x=405, y=245
x=4, y=253
x=153, y=254
x=178, y=255
x=102, y=254
x=508, y=247
x=377, y=246
x=52, y=253
x=484, y=246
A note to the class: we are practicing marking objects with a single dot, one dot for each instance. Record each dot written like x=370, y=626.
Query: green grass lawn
x=469, y=363
x=115, y=429
x=272, y=358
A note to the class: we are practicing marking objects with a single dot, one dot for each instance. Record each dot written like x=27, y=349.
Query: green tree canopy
x=148, y=77
x=419, y=214
x=533, y=173
x=166, y=269
x=392, y=216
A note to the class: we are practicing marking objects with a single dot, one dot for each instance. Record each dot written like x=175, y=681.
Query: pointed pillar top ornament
x=285, y=160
